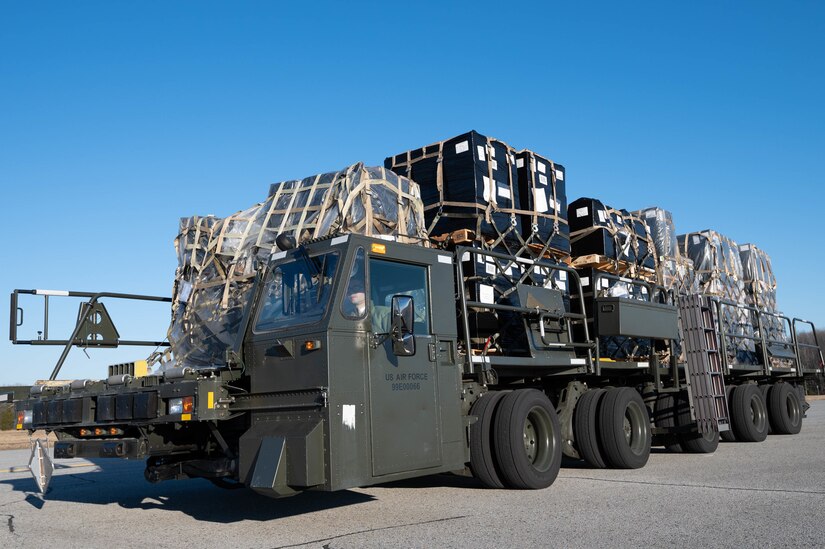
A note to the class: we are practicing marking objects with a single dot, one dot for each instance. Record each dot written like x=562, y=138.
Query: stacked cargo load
x=614, y=255
x=600, y=235
x=218, y=258
x=468, y=182
x=674, y=272
x=719, y=273
x=543, y=199
x=480, y=192
x=760, y=290
x=760, y=282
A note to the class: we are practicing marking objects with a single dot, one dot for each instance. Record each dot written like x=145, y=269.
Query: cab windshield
x=297, y=291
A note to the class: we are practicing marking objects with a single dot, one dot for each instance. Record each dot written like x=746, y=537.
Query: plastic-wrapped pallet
x=719, y=273
x=760, y=289
x=217, y=258
x=760, y=282
x=662, y=231
x=673, y=271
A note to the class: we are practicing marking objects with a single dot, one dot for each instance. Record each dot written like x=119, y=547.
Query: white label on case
x=541, y=167
x=465, y=256
x=504, y=192
x=650, y=213
x=601, y=216
x=486, y=294
x=464, y=146
x=559, y=175
x=543, y=179
x=539, y=200
x=585, y=280
x=695, y=239
x=603, y=283
x=562, y=275
x=578, y=361
x=744, y=247
x=495, y=164
x=490, y=268
x=481, y=155
x=581, y=212
x=488, y=189
x=492, y=152
x=520, y=163
x=339, y=240
x=445, y=259
x=557, y=205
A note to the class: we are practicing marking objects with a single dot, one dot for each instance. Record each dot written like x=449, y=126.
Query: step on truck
x=362, y=361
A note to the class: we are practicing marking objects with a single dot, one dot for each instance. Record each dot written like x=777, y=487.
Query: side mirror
x=403, y=340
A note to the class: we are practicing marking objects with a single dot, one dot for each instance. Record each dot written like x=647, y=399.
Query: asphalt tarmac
x=765, y=494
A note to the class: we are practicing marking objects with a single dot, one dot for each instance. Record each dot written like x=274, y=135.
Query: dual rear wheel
x=612, y=428
x=516, y=440
x=757, y=410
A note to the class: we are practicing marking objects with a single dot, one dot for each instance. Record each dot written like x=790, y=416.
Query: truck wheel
x=624, y=428
x=527, y=440
x=785, y=410
x=728, y=435
x=749, y=415
x=482, y=462
x=665, y=417
x=585, y=428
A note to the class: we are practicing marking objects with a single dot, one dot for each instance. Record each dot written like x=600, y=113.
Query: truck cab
x=344, y=373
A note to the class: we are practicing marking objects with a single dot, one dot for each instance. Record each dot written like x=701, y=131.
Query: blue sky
x=118, y=118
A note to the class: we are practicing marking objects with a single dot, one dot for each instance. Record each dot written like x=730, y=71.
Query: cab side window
x=354, y=305
x=388, y=278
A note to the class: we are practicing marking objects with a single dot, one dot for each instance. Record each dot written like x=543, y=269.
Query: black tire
x=785, y=410
x=673, y=410
x=624, y=429
x=585, y=428
x=665, y=417
x=728, y=435
x=482, y=460
x=749, y=414
x=527, y=440
x=765, y=389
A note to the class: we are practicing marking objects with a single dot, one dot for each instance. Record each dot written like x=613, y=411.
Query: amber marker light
x=188, y=405
x=379, y=248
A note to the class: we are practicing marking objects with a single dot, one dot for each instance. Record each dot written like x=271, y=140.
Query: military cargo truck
x=364, y=360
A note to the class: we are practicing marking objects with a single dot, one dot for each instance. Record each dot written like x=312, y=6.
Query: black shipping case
x=542, y=191
x=616, y=234
x=467, y=182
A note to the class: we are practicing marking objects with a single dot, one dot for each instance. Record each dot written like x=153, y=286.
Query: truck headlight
x=175, y=406
x=184, y=405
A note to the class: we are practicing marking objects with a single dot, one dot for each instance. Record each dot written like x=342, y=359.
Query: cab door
x=404, y=408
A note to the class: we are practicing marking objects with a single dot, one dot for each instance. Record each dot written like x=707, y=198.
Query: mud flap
x=281, y=461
